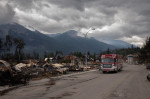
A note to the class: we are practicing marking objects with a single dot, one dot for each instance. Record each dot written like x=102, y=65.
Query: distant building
x=51, y=59
x=74, y=61
x=130, y=59
x=133, y=59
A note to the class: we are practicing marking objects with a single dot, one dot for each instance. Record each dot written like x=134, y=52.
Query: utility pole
x=85, y=35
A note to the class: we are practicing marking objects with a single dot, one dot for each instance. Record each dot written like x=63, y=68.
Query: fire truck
x=111, y=62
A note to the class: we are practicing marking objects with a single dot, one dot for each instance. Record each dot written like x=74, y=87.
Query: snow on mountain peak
x=30, y=28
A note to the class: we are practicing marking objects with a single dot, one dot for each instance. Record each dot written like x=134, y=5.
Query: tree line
x=11, y=48
x=143, y=52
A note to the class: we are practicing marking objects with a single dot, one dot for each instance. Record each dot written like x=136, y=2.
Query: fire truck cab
x=111, y=62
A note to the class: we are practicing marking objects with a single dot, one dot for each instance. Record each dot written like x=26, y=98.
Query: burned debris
x=23, y=72
x=11, y=76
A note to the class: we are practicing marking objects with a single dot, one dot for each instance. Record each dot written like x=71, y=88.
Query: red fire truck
x=111, y=62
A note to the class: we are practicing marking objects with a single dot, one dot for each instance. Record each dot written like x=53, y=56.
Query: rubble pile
x=21, y=73
x=12, y=75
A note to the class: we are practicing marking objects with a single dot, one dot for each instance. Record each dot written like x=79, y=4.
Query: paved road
x=131, y=83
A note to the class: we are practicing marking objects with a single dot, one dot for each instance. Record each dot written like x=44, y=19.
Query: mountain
x=30, y=28
x=35, y=41
x=117, y=43
x=72, y=42
x=53, y=34
x=66, y=42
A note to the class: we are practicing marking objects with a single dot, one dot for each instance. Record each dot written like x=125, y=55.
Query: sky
x=127, y=20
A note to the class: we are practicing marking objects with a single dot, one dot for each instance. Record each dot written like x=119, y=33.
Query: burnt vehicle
x=148, y=66
x=148, y=77
x=9, y=75
x=5, y=72
x=76, y=68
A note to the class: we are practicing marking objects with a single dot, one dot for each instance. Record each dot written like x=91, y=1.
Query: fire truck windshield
x=108, y=60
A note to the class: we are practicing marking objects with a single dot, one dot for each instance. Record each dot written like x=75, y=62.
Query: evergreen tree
x=94, y=56
x=36, y=55
x=78, y=54
x=45, y=54
x=108, y=51
x=146, y=49
x=28, y=56
x=147, y=44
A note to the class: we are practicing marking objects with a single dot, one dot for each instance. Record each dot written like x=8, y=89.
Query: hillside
x=117, y=43
x=66, y=42
x=73, y=42
x=35, y=41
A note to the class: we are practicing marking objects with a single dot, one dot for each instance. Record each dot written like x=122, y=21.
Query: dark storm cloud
x=145, y=12
x=75, y=4
x=6, y=13
x=114, y=19
x=22, y=4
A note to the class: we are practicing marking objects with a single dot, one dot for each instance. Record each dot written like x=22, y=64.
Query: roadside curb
x=73, y=74
x=5, y=90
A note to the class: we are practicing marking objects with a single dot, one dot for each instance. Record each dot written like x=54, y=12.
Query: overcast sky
x=127, y=20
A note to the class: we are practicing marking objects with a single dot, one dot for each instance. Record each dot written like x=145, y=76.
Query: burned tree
x=1, y=43
x=8, y=44
x=19, y=48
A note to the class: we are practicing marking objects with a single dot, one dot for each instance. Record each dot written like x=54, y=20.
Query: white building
x=130, y=59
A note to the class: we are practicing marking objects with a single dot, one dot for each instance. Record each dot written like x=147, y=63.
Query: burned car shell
x=148, y=66
x=9, y=75
x=4, y=66
x=148, y=77
x=5, y=71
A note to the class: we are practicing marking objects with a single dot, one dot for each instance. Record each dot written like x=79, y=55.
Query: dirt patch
x=51, y=82
x=66, y=94
x=73, y=76
x=68, y=79
x=55, y=97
